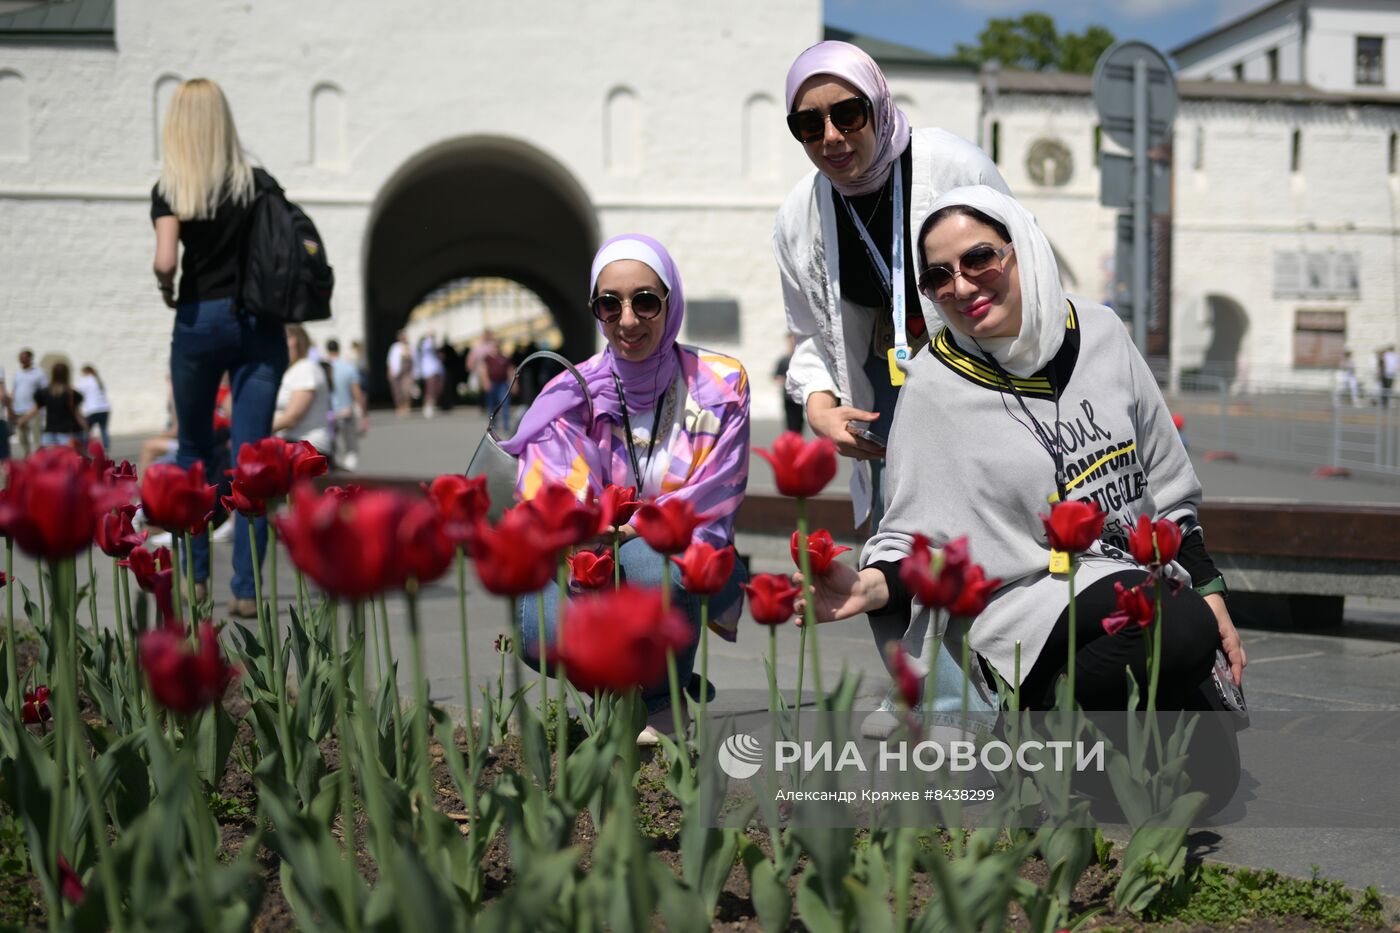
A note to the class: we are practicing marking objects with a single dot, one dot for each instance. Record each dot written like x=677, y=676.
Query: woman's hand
x=843, y=592
x=624, y=534
x=828, y=419
x=1229, y=637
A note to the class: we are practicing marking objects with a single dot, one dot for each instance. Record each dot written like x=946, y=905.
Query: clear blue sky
x=938, y=25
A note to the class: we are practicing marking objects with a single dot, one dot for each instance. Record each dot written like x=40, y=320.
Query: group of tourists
x=932, y=344
x=47, y=407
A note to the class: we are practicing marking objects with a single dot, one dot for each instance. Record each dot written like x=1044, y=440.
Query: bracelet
x=1213, y=586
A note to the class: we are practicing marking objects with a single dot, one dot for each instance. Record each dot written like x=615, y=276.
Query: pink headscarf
x=847, y=62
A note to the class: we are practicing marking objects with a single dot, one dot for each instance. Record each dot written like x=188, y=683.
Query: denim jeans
x=641, y=566
x=98, y=420
x=210, y=339
x=499, y=394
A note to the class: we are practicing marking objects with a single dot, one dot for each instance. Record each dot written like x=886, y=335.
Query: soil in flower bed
x=1235, y=899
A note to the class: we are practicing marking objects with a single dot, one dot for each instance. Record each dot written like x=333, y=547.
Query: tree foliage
x=1032, y=43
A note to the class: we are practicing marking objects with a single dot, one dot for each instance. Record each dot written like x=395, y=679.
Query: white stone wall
x=668, y=115
x=1234, y=208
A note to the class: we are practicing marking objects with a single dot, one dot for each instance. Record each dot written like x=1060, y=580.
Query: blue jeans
x=210, y=339
x=499, y=394
x=641, y=566
x=98, y=419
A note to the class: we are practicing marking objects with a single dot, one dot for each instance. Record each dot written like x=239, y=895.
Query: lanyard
x=892, y=279
x=627, y=431
x=1052, y=446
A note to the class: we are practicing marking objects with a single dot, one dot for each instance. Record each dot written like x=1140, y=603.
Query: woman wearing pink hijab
x=844, y=241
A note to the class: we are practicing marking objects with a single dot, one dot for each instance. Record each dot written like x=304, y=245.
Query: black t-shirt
x=60, y=409
x=860, y=281
x=209, y=268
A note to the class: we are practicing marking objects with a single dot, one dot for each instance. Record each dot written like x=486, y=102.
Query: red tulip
x=591, y=570
x=54, y=501
x=461, y=501
x=1073, y=526
x=307, y=461
x=1154, y=543
x=115, y=535
x=821, y=550
x=359, y=547
x=155, y=574
x=69, y=884
x=909, y=682
x=935, y=579
x=514, y=557
x=977, y=589
x=617, y=640
x=184, y=679
x=1134, y=605
x=176, y=499
x=424, y=549
x=616, y=506
x=801, y=468
x=705, y=569
x=344, y=493
x=668, y=525
x=238, y=500
x=4, y=580
x=264, y=469
x=36, y=705
x=771, y=598
x=562, y=517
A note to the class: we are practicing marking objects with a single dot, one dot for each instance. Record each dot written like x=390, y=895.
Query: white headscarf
x=1044, y=310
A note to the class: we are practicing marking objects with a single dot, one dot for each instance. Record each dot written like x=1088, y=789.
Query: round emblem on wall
x=1049, y=163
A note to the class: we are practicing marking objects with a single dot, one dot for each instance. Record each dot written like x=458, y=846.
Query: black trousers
x=1190, y=638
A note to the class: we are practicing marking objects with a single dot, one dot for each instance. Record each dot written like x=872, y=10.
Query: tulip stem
x=704, y=666
x=1154, y=671
x=809, y=613
x=175, y=592
x=397, y=706
x=342, y=714
x=673, y=679
x=1073, y=631
x=544, y=653
x=466, y=657
x=125, y=580
x=426, y=802
x=617, y=562
x=189, y=576
x=276, y=610
x=561, y=744
x=267, y=624
x=15, y=697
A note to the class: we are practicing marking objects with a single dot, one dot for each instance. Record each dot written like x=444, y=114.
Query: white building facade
x=429, y=141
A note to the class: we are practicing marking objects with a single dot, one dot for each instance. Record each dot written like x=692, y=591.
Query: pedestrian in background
x=96, y=406
x=304, y=397
x=198, y=208
x=792, y=409
x=59, y=404
x=496, y=373
x=400, y=368
x=4, y=418
x=28, y=380
x=430, y=371
x=348, y=404
x=1387, y=363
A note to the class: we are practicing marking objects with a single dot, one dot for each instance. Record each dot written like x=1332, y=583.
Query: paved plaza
x=1288, y=670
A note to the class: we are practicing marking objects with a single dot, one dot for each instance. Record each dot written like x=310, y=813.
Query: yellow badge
x=1059, y=562
x=896, y=374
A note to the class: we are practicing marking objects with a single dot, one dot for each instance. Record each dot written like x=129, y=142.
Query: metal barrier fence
x=1291, y=424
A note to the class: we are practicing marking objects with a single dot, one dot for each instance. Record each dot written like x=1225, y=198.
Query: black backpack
x=284, y=272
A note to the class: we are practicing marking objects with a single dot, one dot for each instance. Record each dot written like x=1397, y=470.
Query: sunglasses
x=980, y=265
x=644, y=304
x=848, y=116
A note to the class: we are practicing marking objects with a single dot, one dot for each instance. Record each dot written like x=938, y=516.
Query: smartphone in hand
x=862, y=429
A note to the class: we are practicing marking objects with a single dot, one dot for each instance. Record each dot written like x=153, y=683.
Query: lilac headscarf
x=645, y=382
x=847, y=62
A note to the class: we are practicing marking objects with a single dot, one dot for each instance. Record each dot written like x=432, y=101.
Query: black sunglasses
x=847, y=116
x=645, y=305
x=980, y=265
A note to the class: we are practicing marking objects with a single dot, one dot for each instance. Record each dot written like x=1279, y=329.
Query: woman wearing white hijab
x=844, y=239
x=1028, y=397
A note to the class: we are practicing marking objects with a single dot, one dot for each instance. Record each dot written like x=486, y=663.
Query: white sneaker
x=350, y=462
x=661, y=723
x=224, y=532
x=163, y=539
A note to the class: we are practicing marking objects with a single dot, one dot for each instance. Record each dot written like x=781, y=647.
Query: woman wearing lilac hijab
x=844, y=241
x=671, y=420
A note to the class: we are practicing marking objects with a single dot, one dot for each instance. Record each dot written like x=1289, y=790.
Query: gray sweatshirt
x=964, y=461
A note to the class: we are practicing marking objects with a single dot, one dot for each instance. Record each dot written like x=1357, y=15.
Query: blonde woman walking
x=198, y=206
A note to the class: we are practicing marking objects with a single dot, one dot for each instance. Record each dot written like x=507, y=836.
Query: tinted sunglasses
x=980, y=265
x=645, y=305
x=847, y=116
